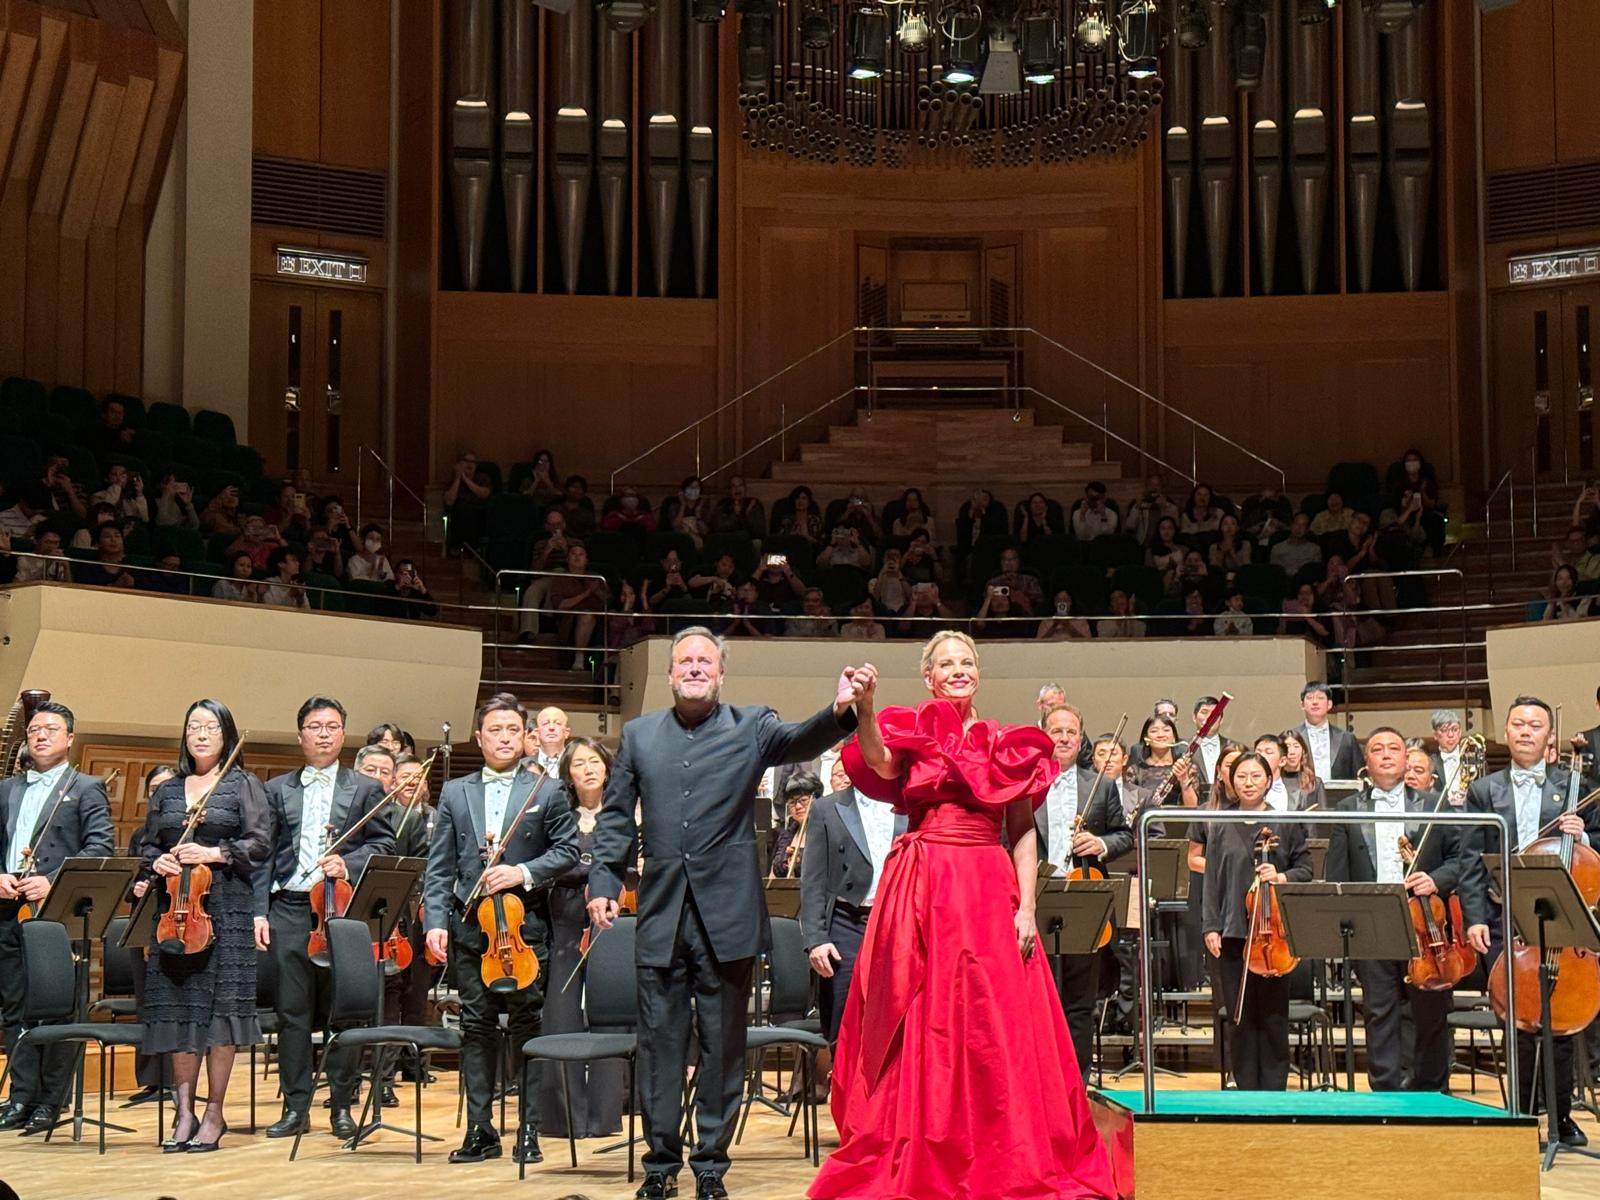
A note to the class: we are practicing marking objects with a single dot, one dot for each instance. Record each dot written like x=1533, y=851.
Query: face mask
x=373, y=545
x=1063, y=609
x=1412, y=466
x=691, y=493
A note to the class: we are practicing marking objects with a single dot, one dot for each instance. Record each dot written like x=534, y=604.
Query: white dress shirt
x=1277, y=797
x=316, y=807
x=1061, y=810
x=1386, y=834
x=31, y=812
x=1210, y=752
x=496, y=798
x=1450, y=761
x=1527, y=786
x=1317, y=739
x=877, y=818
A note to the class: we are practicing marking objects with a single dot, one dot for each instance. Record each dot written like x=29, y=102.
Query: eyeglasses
x=321, y=727
x=36, y=730
x=202, y=727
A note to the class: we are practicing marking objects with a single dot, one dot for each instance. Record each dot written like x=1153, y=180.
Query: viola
x=1267, y=950
x=1574, y=972
x=1444, y=956
x=395, y=954
x=330, y=898
x=184, y=926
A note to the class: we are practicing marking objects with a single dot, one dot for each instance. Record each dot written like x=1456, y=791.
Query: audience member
x=257, y=539
x=175, y=504
x=979, y=517
x=891, y=589
x=625, y=623
x=802, y=519
x=63, y=493
x=283, y=581
x=1145, y=513
x=1200, y=513
x=1038, y=516
x=925, y=608
x=914, y=517
x=323, y=555
x=1562, y=603
x=541, y=483
x=844, y=549
x=169, y=578
x=1266, y=515
x=1123, y=623
x=863, y=626
x=777, y=585
x=1297, y=551
x=920, y=562
x=746, y=620
x=688, y=512
x=370, y=564
x=1333, y=518
x=860, y=515
x=331, y=515
x=1166, y=552
x=716, y=588
x=412, y=591
x=49, y=566
x=1093, y=517
x=1195, y=622
x=666, y=582
x=1063, y=626
x=740, y=512
x=1027, y=597
x=579, y=596
x=1233, y=621
x=113, y=435
x=994, y=618
x=576, y=508
x=1228, y=552
x=100, y=513
x=124, y=491
x=466, y=498
x=27, y=514
x=1586, y=508
x=630, y=515
x=814, y=619
x=240, y=583
x=221, y=515
x=1412, y=474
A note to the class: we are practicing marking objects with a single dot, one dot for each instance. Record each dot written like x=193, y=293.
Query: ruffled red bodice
x=987, y=763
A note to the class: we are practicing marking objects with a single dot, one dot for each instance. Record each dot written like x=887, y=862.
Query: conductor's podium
x=1201, y=1145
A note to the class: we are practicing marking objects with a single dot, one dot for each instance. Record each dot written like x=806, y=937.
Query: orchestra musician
x=848, y=841
x=1110, y=758
x=55, y=813
x=1445, y=761
x=1531, y=797
x=405, y=994
x=1102, y=835
x=536, y=837
x=798, y=795
x=301, y=806
x=1212, y=745
x=1419, y=768
x=1446, y=863
x=204, y=1004
x=693, y=769
x=1258, y=1032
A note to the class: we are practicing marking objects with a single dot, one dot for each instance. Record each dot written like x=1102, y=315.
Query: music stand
x=783, y=897
x=386, y=883
x=1167, y=891
x=1546, y=904
x=1348, y=921
x=86, y=894
x=1319, y=854
x=1076, y=911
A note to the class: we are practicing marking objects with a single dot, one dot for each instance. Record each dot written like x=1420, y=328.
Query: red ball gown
x=954, y=1077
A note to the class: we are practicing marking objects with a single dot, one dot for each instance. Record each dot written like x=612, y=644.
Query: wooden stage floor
x=768, y=1166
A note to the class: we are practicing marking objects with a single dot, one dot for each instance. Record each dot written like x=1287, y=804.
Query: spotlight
x=1315, y=12
x=1139, y=37
x=816, y=26
x=915, y=33
x=625, y=16
x=1041, y=47
x=1194, y=25
x=1249, y=42
x=1092, y=30
x=961, y=28
x=869, y=31
x=756, y=24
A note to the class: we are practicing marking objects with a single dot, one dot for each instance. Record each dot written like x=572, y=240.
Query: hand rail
x=1461, y=580
x=363, y=450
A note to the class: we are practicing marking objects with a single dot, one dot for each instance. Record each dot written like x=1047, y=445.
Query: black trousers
x=1387, y=999
x=1078, y=981
x=480, y=1021
x=847, y=926
x=302, y=1007
x=37, y=1076
x=719, y=993
x=1258, y=1037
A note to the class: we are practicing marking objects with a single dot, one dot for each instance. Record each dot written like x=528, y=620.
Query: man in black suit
x=1104, y=835
x=693, y=769
x=848, y=837
x=1589, y=743
x=58, y=814
x=1446, y=864
x=307, y=811
x=1445, y=761
x=1530, y=798
x=1334, y=753
x=536, y=836
x=1211, y=748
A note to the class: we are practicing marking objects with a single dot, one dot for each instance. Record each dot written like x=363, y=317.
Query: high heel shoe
x=173, y=1145
x=208, y=1147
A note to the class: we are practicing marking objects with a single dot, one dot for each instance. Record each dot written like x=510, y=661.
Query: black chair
x=49, y=1012
x=266, y=1017
x=170, y=420
x=116, y=984
x=610, y=1006
x=355, y=1005
x=215, y=427
x=843, y=587
x=75, y=404
x=789, y=998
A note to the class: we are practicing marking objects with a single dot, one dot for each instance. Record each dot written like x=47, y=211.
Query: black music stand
x=387, y=882
x=1168, y=895
x=1547, y=904
x=1348, y=921
x=86, y=894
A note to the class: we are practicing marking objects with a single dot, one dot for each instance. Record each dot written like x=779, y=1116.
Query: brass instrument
x=13, y=738
x=1474, y=755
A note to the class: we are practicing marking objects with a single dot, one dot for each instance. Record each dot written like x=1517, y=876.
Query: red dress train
x=955, y=1076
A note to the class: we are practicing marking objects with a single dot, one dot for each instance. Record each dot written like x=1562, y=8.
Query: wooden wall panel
x=287, y=114
x=1576, y=48
x=1518, y=87
x=354, y=105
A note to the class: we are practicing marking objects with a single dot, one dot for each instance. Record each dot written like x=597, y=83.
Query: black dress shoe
x=146, y=1095
x=342, y=1124
x=480, y=1143
x=527, y=1147
x=41, y=1120
x=708, y=1186
x=657, y=1187
x=13, y=1116
x=390, y=1100
x=1571, y=1135
x=289, y=1124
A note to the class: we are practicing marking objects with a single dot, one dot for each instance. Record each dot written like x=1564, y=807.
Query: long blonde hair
x=945, y=635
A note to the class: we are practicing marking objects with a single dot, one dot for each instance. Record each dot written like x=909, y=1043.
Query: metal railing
x=1508, y=482
x=1441, y=610
x=364, y=451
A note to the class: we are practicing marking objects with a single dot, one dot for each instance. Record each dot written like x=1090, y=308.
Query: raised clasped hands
x=857, y=688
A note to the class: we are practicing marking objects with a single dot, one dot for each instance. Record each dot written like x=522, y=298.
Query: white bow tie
x=37, y=776
x=490, y=775
x=310, y=775
x=1522, y=778
x=1397, y=795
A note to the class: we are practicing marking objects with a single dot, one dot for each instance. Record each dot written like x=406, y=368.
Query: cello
x=184, y=926
x=1266, y=947
x=1574, y=973
x=1444, y=956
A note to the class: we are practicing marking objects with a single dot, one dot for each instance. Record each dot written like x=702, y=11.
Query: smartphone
x=1002, y=590
x=777, y=560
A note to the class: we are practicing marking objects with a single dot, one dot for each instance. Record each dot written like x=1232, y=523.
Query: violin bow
x=63, y=785
x=498, y=850
x=199, y=810
x=379, y=807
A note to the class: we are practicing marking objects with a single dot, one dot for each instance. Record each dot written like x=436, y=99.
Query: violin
x=330, y=898
x=509, y=963
x=1574, y=972
x=30, y=864
x=1080, y=871
x=184, y=926
x=1445, y=957
x=1266, y=949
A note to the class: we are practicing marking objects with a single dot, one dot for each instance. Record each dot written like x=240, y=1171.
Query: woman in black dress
x=597, y=1090
x=205, y=1004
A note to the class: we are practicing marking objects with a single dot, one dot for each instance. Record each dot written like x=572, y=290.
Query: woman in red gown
x=954, y=1075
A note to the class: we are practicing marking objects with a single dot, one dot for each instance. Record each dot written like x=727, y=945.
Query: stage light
x=1249, y=43
x=625, y=16
x=708, y=12
x=961, y=30
x=816, y=26
x=756, y=25
x=869, y=32
x=1041, y=47
x=1139, y=37
x=914, y=33
x=1194, y=25
x=1092, y=31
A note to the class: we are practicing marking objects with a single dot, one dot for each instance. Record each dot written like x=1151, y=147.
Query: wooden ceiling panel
x=81, y=66
x=43, y=86
x=20, y=49
x=95, y=143
x=135, y=110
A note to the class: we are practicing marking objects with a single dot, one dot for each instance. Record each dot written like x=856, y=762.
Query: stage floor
x=1306, y=1106
x=767, y=1166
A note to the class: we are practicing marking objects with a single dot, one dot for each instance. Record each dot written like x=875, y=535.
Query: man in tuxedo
x=1211, y=746
x=307, y=811
x=1334, y=753
x=847, y=841
x=692, y=769
x=1589, y=743
x=1530, y=798
x=535, y=836
x=58, y=814
x=1104, y=835
x=1445, y=761
x=1446, y=864
x=545, y=739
